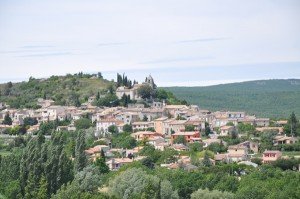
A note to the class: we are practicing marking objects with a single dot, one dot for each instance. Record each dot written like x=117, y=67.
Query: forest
x=264, y=98
x=58, y=167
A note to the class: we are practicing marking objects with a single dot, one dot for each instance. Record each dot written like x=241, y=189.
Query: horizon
x=195, y=43
x=207, y=84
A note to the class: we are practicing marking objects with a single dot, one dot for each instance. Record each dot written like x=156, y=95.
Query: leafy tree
x=145, y=91
x=7, y=119
x=167, y=191
x=134, y=183
x=206, y=194
x=189, y=127
x=83, y=123
x=179, y=140
x=30, y=121
x=148, y=162
x=113, y=129
x=127, y=128
x=196, y=147
x=123, y=140
x=101, y=165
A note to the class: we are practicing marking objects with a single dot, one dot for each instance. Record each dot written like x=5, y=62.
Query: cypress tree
x=80, y=160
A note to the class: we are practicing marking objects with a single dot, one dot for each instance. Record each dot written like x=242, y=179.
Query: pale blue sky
x=190, y=42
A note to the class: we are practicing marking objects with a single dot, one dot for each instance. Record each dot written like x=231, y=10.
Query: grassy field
x=265, y=98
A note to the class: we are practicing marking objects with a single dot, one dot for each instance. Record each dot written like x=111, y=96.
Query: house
x=142, y=125
x=141, y=135
x=128, y=117
x=271, y=156
x=252, y=146
x=188, y=136
x=177, y=125
x=159, y=124
x=115, y=163
x=171, y=109
x=283, y=139
x=269, y=129
x=262, y=121
x=226, y=130
x=95, y=151
x=102, y=125
x=237, y=153
x=209, y=141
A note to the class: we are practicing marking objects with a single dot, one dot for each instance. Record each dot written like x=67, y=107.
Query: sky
x=178, y=42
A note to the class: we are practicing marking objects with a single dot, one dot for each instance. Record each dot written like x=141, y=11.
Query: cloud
x=37, y=46
x=204, y=40
x=174, y=60
x=113, y=44
x=47, y=54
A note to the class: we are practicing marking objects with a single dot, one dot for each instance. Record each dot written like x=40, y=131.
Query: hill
x=64, y=90
x=264, y=98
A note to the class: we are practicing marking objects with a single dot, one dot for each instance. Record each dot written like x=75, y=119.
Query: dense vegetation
x=64, y=90
x=265, y=98
x=58, y=168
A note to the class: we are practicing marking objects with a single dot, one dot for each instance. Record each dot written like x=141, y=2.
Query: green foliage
x=292, y=128
x=85, y=185
x=179, y=140
x=83, y=123
x=123, y=140
x=101, y=165
x=217, y=148
x=127, y=128
x=245, y=128
x=189, y=127
x=145, y=91
x=64, y=90
x=113, y=129
x=136, y=183
x=264, y=98
x=214, y=194
x=7, y=119
x=196, y=147
x=80, y=160
x=30, y=121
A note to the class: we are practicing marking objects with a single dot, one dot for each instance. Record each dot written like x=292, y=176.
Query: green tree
x=292, y=127
x=7, y=119
x=179, y=140
x=101, y=165
x=214, y=194
x=189, y=127
x=145, y=91
x=42, y=191
x=127, y=128
x=83, y=123
x=80, y=160
x=206, y=161
x=113, y=129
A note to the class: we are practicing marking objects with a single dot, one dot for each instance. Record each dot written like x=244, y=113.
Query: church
x=133, y=92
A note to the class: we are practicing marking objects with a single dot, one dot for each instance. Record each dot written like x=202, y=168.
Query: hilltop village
x=163, y=126
x=140, y=125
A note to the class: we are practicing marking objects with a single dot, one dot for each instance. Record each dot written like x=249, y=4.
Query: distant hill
x=64, y=90
x=265, y=98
